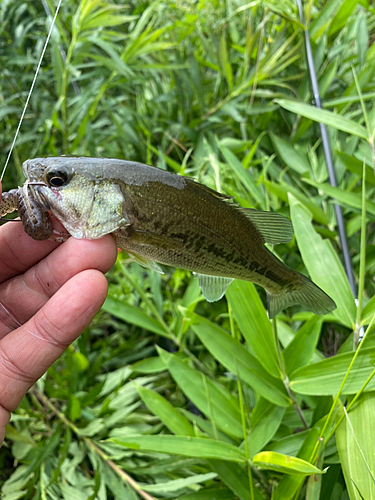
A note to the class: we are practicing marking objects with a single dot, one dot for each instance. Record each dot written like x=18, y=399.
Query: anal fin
x=213, y=287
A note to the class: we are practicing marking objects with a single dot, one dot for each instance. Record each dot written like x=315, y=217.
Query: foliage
x=165, y=395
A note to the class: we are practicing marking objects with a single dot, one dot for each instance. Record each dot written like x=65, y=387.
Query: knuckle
x=49, y=331
x=12, y=367
x=41, y=280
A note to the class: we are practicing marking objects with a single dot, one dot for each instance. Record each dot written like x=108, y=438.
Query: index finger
x=18, y=251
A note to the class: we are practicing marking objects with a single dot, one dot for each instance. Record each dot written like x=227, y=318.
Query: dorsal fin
x=216, y=194
x=275, y=228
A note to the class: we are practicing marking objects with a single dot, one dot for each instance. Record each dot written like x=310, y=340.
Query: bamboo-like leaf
x=323, y=116
x=355, y=445
x=356, y=166
x=254, y=324
x=283, y=463
x=323, y=264
x=290, y=155
x=243, y=175
x=235, y=477
x=368, y=311
x=133, y=315
x=160, y=407
x=183, y=445
x=225, y=61
x=208, y=494
x=325, y=377
x=266, y=419
x=301, y=349
x=341, y=16
x=213, y=399
x=230, y=353
x=290, y=484
x=175, y=485
x=281, y=190
x=344, y=197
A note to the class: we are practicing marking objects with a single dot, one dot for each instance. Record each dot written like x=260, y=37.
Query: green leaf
x=324, y=378
x=243, y=175
x=175, y=421
x=178, y=484
x=225, y=61
x=282, y=190
x=149, y=365
x=323, y=264
x=290, y=155
x=214, y=400
x=236, y=479
x=283, y=463
x=343, y=197
x=183, y=445
x=368, y=311
x=356, y=444
x=266, y=419
x=209, y=494
x=301, y=349
x=253, y=322
x=133, y=315
x=74, y=408
x=40, y=454
x=362, y=37
x=356, y=166
x=341, y=16
x=323, y=116
x=230, y=353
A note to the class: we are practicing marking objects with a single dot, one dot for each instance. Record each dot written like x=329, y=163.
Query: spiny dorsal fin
x=213, y=287
x=216, y=194
x=275, y=228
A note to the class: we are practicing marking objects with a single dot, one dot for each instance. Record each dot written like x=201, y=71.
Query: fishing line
x=31, y=89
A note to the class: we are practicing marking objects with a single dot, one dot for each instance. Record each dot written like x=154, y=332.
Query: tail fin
x=306, y=293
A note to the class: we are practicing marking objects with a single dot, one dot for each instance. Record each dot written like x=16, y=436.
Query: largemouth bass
x=162, y=218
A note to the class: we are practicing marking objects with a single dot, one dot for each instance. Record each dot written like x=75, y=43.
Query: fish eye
x=57, y=178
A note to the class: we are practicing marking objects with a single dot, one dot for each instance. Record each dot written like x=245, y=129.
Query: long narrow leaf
x=323, y=116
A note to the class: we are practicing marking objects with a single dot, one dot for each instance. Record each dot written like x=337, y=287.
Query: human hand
x=49, y=293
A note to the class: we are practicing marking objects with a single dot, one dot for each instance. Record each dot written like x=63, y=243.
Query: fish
x=158, y=217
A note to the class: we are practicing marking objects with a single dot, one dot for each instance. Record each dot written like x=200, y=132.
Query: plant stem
x=285, y=377
x=147, y=301
x=329, y=416
x=362, y=261
x=124, y=476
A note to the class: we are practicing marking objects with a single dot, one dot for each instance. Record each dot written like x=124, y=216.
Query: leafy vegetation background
x=165, y=395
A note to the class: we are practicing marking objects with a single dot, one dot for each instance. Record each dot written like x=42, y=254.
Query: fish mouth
x=25, y=168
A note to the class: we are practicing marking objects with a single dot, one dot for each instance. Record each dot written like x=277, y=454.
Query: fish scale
x=165, y=218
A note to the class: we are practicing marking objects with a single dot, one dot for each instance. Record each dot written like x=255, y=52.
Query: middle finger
x=23, y=295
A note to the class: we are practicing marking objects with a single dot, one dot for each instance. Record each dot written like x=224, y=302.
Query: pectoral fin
x=146, y=263
x=275, y=228
x=213, y=287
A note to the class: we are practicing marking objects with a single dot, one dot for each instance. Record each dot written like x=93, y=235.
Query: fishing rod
x=329, y=161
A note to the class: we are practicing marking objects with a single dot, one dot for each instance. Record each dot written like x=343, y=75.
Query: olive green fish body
x=197, y=229
x=160, y=217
